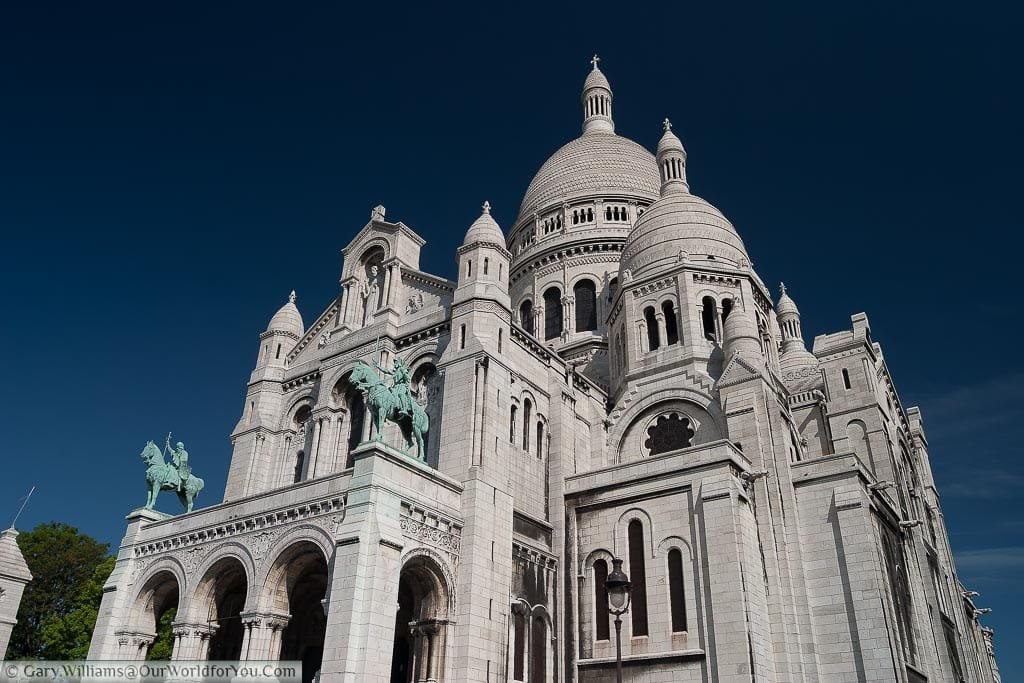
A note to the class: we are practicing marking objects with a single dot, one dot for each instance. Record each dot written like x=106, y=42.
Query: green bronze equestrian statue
x=393, y=404
x=170, y=476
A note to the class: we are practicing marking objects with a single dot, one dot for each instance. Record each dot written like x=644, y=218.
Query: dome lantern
x=671, y=162
x=597, y=102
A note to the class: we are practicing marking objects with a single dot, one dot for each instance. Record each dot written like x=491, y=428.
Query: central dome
x=596, y=163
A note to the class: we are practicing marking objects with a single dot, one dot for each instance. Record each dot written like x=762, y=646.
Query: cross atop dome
x=291, y=297
x=666, y=125
x=594, y=60
x=486, y=207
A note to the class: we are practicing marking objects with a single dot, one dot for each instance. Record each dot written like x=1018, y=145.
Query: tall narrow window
x=677, y=593
x=539, y=651
x=613, y=286
x=519, y=645
x=726, y=308
x=462, y=337
x=707, y=317
x=469, y=267
x=512, y=423
x=300, y=460
x=585, y=293
x=278, y=354
x=356, y=420
x=486, y=263
x=553, y=323
x=501, y=334
x=671, y=324
x=527, y=410
x=540, y=439
x=638, y=576
x=846, y=378
x=601, y=616
x=650, y=318
x=526, y=315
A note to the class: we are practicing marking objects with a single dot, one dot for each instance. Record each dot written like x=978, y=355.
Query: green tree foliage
x=59, y=607
x=68, y=636
x=164, y=643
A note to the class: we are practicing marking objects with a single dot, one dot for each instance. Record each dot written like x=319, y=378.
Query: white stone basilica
x=610, y=379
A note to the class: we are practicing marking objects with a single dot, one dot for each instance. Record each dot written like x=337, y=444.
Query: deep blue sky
x=169, y=171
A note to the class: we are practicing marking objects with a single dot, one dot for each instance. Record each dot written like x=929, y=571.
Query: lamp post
x=619, y=589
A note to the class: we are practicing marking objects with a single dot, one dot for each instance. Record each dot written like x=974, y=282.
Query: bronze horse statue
x=163, y=476
x=384, y=401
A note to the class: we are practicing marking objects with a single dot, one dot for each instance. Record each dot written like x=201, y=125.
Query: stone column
x=569, y=314
x=395, y=279
x=642, y=337
x=662, y=328
x=538, y=322
x=387, y=287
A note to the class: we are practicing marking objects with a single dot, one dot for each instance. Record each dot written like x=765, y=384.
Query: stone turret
x=14, y=575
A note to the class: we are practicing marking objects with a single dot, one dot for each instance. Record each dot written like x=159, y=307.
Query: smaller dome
x=800, y=369
x=740, y=334
x=786, y=305
x=596, y=79
x=287, y=319
x=670, y=142
x=680, y=226
x=485, y=229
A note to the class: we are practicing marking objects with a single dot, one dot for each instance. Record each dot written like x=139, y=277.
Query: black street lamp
x=619, y=590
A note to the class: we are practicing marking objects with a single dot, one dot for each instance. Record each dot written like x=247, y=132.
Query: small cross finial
x=291, y=297
x=666, y=124
x=782, y=288
x=487, y=207
x=594, y=60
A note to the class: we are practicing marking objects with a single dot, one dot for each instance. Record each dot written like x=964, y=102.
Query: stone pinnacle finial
x=782, y=288
x=487, y=207
x=666, y=125
x=291, y=297
x=594, y=60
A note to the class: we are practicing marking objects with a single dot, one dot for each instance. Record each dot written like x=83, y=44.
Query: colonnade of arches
x=234, y=612
x=578, y=312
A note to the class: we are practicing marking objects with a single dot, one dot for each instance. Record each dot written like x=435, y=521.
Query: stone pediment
x=737, y=371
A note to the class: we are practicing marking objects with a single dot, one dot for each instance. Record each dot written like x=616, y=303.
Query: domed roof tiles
x=287, y=319
x=677, y=224
x=485, y=229
x=593, y=164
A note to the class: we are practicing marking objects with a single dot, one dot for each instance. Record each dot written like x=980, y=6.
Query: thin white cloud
x=992, y=562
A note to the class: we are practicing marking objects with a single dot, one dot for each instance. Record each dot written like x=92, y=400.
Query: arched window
x=601, y=616
x=708, y=314
x=527, y=410
x=638, y=576
x=356, y=420
x=526, y=315
x=512, y=423
x=676, y=590
x=553, y=323
x=539, y=650
x=585, y=292
x=540, y=439
x=613, y=286
x=653, y=341
x=671, y=324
